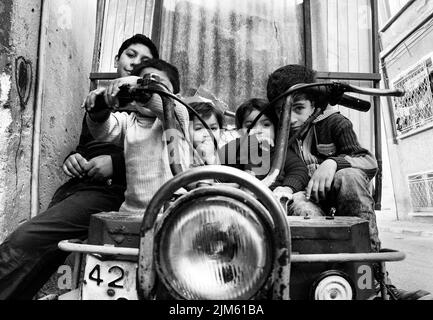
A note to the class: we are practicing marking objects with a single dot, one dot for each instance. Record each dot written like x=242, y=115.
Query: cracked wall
x=66, y=65
x=19, y=34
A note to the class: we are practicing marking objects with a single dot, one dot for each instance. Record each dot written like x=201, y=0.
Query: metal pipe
x=36, y=147
x=376, y=104
x=348, y=257
x=67, y=245
x=281, y=146
x=308, y=47
x=383, y=290
x=406, y=36
x=396, y=16
x=77, y=268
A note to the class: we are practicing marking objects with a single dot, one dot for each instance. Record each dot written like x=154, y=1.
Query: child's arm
x=294, y=177
x=350, y=154
x=102, y=124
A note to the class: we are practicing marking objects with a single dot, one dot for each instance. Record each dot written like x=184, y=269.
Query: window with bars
x=415, y=109
x=421, y=191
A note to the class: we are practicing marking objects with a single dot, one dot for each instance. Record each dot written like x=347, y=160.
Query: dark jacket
x=293, y=175
x=332, y=137
x=89, y=148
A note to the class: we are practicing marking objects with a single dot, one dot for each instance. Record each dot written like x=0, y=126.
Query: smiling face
x=131, y=57
x=199, y=134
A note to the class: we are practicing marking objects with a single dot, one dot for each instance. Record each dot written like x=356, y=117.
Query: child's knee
x=350, y=178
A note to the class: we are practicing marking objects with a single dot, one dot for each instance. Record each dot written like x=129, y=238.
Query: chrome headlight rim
x=146, y=268
x=258, y=210
x=333, y=274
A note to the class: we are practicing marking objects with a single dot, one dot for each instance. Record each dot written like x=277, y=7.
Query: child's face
x=162, y=75
x=130, y=57
x=140, y=107
x=264, y=128
x=302, y=109
x=199, y=134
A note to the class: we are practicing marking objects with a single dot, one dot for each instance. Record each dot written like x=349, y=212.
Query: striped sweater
x=332, y=137
x=146, y=158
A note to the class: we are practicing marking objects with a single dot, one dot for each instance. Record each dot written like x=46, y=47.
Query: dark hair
x=285, y=77
x=169, y=69
x=248, y=106
x=139, y=38
x=206, y=110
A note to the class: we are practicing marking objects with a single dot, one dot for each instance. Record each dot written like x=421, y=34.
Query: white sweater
x=146, y=158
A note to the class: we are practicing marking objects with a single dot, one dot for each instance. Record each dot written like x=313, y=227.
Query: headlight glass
x=333, y=287
x=214, y=249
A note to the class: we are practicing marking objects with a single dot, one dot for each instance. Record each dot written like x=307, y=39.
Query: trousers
x=29, y=255
x=350, y=195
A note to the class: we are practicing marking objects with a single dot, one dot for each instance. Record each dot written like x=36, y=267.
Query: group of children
x=326, y=165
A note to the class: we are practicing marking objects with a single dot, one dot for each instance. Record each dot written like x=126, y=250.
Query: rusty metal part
x=280, y=148
x=146, y=270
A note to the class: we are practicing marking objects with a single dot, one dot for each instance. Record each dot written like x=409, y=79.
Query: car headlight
x=213, y=248
x=333, y=285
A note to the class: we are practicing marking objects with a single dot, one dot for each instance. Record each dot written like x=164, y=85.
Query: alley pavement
x=387, y=222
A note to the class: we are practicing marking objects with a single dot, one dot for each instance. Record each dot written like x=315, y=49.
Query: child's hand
x=75, y=166
x=100, y=167
x=89, y=102
x=321, y=181
x=283, y=194
x=114, y=88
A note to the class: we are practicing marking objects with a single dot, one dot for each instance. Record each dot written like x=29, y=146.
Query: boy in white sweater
x=140, y=133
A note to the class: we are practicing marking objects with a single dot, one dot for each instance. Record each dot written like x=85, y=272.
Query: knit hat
x=285, y=77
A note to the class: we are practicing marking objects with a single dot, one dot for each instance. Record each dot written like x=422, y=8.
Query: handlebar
x=326, y=93
x=334, y=93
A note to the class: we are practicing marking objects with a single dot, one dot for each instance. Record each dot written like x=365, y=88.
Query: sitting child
x=201, y=137
x=294, y=176
x=340, y=168
x=140, y=133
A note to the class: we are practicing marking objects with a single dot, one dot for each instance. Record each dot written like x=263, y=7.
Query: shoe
x=400, y=294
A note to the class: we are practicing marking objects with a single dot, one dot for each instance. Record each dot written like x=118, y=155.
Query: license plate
x=109, y=280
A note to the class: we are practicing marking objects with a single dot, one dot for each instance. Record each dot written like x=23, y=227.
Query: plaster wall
x=19, y=36
x=416, y=151
x=410, y=154
x=67, y=63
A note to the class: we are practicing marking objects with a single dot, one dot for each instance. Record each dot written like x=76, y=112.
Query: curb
x=416, y=233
